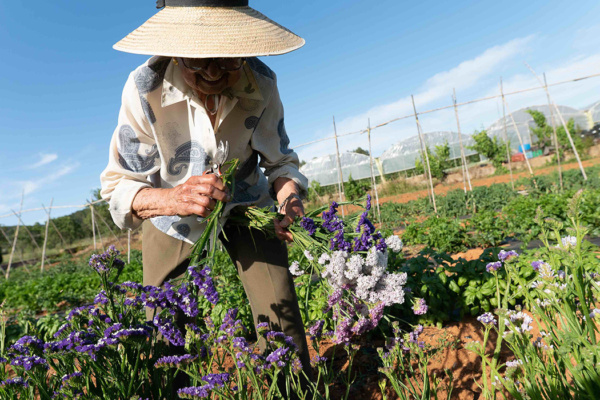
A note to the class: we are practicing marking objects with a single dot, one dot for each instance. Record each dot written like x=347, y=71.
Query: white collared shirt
x=164, y=136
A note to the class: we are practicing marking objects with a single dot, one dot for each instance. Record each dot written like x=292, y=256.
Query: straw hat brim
x=205, y=32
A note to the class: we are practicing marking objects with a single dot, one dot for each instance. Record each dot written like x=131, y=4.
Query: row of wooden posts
x=44, y=260
x=431, y=193
x=465, y=170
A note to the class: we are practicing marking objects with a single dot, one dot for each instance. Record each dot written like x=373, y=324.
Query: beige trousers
x=262, y=265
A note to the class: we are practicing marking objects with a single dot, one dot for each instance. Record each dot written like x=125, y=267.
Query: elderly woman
x=202, y=86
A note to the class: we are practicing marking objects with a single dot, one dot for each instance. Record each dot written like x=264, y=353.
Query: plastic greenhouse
x=324, y=169
x=593, y=113
x=524, y=122
x=402, y=155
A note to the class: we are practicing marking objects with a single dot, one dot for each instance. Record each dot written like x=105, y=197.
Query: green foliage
x=544, y=132
x=355, y=189
x=438, y=162
x=360, y=150
x=493, y=149
x=440, y=233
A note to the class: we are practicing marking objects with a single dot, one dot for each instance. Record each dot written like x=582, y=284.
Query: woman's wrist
x=152, y=202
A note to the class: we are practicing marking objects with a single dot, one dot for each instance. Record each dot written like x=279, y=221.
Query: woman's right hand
x=197, y=196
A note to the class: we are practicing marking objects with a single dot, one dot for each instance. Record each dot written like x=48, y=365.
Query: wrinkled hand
x=197, y=196
x=293, y=209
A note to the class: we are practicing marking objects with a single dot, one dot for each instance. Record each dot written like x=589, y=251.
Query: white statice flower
x=295, y=269
x=546, y=272
x=334, y=270
x=364, y=285
x=375, y=258
x=390, y=289
x=394, y=243
x=521, y=321
x=354, y=267
x=323, y=258
x=567, y=242
x=514, y=364
x=308, y=256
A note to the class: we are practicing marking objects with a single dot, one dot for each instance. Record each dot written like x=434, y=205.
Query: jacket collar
x=175, y=90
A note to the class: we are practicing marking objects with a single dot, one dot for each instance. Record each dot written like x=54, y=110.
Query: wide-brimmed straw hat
x=209, y=28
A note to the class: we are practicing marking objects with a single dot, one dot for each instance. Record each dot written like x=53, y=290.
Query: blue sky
x=62, y=81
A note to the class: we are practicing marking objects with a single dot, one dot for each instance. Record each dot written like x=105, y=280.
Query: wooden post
x=26, y=230
x=518, y=134
x=110, y=230
x=93, y=224
x=423, y=144
x=373, y=181
x=128, y=246
x=64, y=242
x=462, y=149
x=339, y=165
x=46, y=237
x=554, y=135
x=99, y=233
x=512, y=182
x=14, y=245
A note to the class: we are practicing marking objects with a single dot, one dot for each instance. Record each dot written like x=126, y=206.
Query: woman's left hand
x=293, y=209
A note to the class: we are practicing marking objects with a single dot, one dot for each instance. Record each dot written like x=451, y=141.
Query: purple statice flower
x=28, y=362
x=413, y=336
x=18, y=381
x=26, y=343
x=231, y=325
x=77, y=311
x=381, y=245
x=316, y=330
x=132, y=285
x=72, y=341
x=361, y=326
x=376, y=314
x=331, y=221
x=309, y=225
x=241, y=344
x=296, y=365
x=420, y=307
x=368, y=205
x=153, y=297
x=69, y=379
x=316, y=360
x=493, y=266
x=487, y=319
x=141, y=331
x=343, y=331
x=105, y=262
x=62, y=328
x=334, y=298
x=195, y=392
x=101, y=298
x=339, y=242
x=262, y=328
x=204, y=282
x=216, y=380
x=175, y=361
x=537, y=264
x=504, y=255
x=169, y=331
x=277, y=357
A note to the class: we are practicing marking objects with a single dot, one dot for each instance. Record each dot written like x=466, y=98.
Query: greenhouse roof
x=524, y=122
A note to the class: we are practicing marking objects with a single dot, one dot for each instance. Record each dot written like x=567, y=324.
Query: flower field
x=369, y=298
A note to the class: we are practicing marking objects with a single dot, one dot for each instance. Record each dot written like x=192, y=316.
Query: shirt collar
x=175, y=89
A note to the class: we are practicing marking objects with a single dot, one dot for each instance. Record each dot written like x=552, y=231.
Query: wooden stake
x=373, y=181
x=339, y=165
x=64, y=242
x=462, y=149
x=14, y=245
x=128, y=246
x=93, y=225
x=554, y=135
x=512, y=182
x=46, y=237
x=110, y=230
x=518, y=135
x=423, y=144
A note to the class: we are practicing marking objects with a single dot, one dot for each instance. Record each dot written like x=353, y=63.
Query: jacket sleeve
x=271, y=141
x=132, y=158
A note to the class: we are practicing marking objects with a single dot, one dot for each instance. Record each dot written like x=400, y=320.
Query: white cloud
x=32, y=185
x=464, y=76
x=480, y=76
x=44, y=159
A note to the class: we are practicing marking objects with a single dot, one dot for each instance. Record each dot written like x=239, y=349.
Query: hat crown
x=201, y=3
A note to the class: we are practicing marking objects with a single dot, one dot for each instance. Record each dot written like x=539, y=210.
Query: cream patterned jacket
x=164, y=136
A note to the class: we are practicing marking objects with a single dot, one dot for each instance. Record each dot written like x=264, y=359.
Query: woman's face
x=209, y=80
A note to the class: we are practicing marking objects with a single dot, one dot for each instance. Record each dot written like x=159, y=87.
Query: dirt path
x=487, y=181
